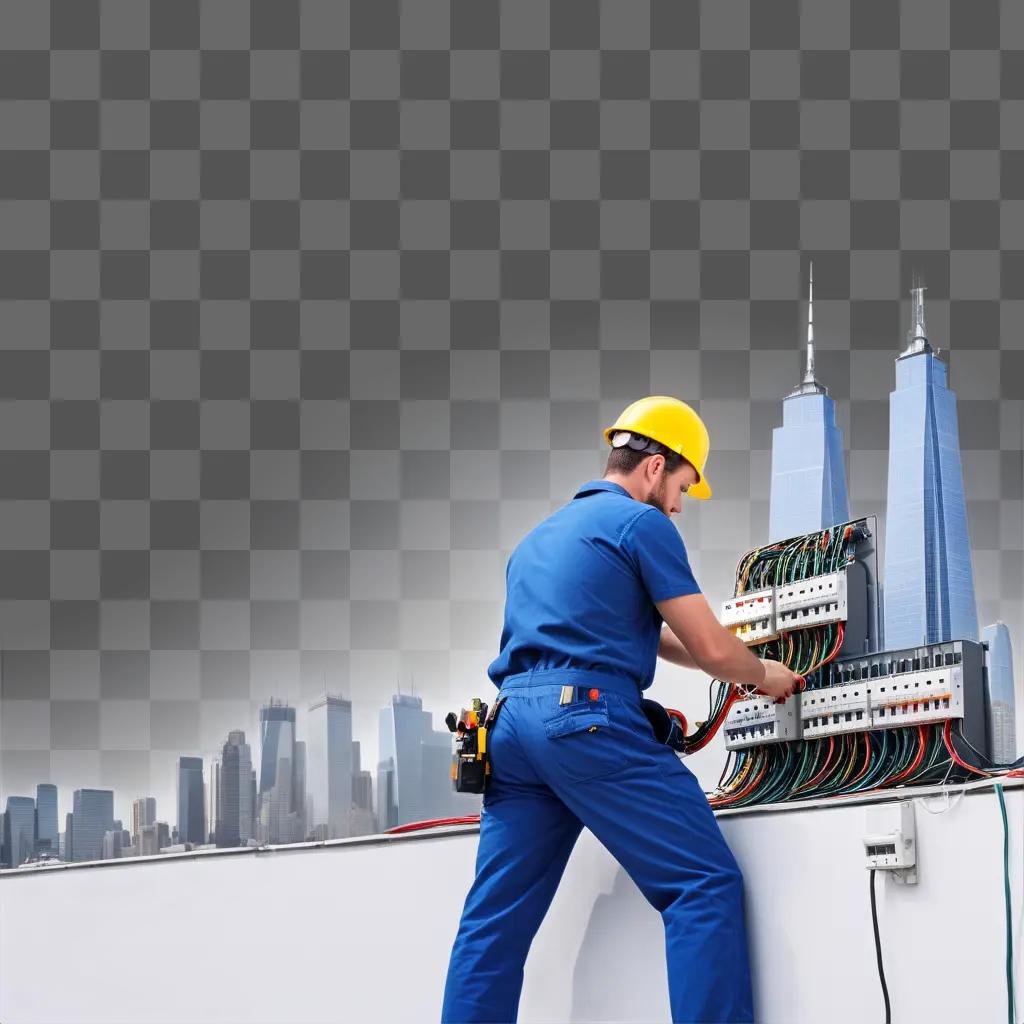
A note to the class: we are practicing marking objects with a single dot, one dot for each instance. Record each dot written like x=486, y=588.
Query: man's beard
x=657, y=496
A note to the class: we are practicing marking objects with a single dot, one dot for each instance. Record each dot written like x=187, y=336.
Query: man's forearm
x=671, y=648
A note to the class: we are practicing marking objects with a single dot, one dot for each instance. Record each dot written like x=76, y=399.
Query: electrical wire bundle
x=920, y=755
x=826, y=551
x=802, y=650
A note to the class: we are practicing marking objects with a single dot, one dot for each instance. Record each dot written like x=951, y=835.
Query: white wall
x=362, y=930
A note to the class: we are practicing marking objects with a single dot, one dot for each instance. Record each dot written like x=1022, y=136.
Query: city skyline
x=93, y=831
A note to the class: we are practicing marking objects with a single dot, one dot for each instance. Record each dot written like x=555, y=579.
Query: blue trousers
x=553, y=773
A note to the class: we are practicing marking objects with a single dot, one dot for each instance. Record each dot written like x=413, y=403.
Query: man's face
x=666, y=489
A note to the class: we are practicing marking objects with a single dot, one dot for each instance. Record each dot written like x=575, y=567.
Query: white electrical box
x=817, y=601
x=928, y=695
x=890, y=840
x=751, y=616
x=835, y=710
x=760, y=615
x=759, y=720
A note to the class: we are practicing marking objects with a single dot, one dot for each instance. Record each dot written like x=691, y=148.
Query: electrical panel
x=848, y=595
x=836, y=710
x=760, y=720
x=751, y=616
x=766, y=614
x=867, y=717
x=895, y=689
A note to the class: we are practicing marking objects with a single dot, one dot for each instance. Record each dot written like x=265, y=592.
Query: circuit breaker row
x=888, y=695
x=760, y=615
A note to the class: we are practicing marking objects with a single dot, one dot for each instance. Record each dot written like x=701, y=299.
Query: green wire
x=1010, y=1000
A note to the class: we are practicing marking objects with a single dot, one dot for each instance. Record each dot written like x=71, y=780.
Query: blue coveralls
x=580, y=611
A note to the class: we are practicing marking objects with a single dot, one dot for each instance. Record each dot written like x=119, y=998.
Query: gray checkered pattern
x=311, y=309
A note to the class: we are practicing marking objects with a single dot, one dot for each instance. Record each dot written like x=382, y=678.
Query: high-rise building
x=298, y=814
x=92, y=818
x=282, y=777
x=1002, y=700
x=143, y=813
x=19, y=829
x=402, y=728
x=46, y=818
x=362, y=820
x=69, y=836
x=191, y=813
x=413, y=773
x=387, y=795
x=112, y=844
x=153, y=838
x=929, y=579
x=213, y=801
x=808, y=490
x=330, y=769
x=233, y=824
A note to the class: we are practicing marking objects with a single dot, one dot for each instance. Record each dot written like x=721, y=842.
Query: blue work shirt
x=581, y=587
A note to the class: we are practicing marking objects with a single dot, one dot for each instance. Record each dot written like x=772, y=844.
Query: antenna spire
x=917, y=337
x=809, y=385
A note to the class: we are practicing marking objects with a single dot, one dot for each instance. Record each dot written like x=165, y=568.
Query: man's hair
x=625, y=460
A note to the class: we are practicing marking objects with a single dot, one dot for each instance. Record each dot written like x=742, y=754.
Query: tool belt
x=471, y=762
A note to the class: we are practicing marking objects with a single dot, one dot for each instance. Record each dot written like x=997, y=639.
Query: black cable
x=878, y=949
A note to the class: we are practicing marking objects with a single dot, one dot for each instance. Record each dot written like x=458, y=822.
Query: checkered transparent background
x=310, y=310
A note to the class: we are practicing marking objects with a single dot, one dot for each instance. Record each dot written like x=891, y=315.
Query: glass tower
x=1002, y=701
x=19, y=829
x=191, y=812
x=808, y=490
x=92, y=818
x=330, y=769
x=929, y=580
x=46, y=818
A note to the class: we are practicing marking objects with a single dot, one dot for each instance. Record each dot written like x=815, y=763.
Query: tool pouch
x=666, y=728
x=471, y=764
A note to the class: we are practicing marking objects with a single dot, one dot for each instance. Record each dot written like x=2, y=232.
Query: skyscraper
x=413, y=779
x=46, y=818
x=153, y=838
x=330, y=768
x=808, y=490
x=282, y=773
x=361, y=818
x=191, y=813
x=929, y=579
x=401, y=738
x=233, y=825
x=1001, y=695
x=93, y=816
x=387, y=795
x=143, y=813
x=19, y=829
x=213, y=801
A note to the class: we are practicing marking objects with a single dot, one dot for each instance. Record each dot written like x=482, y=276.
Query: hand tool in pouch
x=471, y=761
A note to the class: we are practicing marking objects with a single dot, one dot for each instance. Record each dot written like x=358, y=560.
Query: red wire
x=953, y=754
x=412, y=826
x=912, y=767
x=734, y=694
x=680, y=717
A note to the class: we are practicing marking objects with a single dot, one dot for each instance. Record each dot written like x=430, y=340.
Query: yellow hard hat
x=674, y=424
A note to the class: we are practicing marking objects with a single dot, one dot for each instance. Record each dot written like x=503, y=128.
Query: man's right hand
x=779, y=681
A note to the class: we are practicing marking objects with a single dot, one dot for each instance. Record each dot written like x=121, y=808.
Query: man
x=587, y=592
